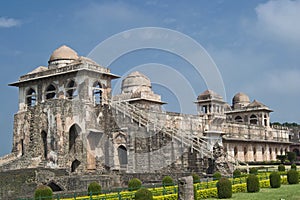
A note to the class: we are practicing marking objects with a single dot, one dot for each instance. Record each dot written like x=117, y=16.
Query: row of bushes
x=225, y=188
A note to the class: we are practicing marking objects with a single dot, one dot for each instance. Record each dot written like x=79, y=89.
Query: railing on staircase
x=147, y=120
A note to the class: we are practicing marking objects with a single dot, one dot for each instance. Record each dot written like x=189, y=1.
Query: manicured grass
x=285, y=192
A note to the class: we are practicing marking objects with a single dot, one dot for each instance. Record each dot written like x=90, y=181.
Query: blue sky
x=255, y=44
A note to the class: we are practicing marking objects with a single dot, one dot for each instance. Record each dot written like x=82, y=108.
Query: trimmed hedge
x=236, y=173
x=237, y=188
x=281, y=168
x=294, y=166
x=293, y=177
x=252, y=183
x=207, y=193
x=143, y=194
x=275, y=180
x=43, y=192
x=217, y=176
x=253, y=170
x=224, y=188
x=196, y=178
x=134, y=184
x=94, y=188
x=167, y=181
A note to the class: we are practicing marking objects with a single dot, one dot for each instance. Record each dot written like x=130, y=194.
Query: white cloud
x=8, y=22
x=279, y=19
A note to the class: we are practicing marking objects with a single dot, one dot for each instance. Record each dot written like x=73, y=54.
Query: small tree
x=275, y=180
x=167, y=180
x=134, y=184
x=294, y=166
x=224, y=188
x=281, y=168
x=217, y=175
x=43, y=192
x=293, y=177
x=94, y=188
x=252, y=183
x=291, y=156
x=143, y=194
x=282, y=158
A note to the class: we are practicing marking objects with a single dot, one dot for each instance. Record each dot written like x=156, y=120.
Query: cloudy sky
x=255, y=44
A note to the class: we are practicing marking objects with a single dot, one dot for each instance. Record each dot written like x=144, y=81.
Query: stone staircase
x=147, y=120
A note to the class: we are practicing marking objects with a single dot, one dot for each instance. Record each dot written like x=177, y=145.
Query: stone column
x=185, y=188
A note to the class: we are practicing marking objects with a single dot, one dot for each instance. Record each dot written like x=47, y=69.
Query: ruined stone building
x=69, y=120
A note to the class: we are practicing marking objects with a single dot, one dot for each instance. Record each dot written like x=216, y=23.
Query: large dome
x=63, y=53
x=240, y=98
x=136, y=82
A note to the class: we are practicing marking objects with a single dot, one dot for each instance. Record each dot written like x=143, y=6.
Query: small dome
x=63, y=53
x=209, y=95
x=136, y=82
x=240, y=99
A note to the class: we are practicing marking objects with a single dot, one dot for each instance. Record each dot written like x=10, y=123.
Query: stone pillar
x=185, y=188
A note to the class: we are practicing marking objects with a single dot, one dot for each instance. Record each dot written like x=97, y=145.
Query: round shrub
x=252, y=183
x=236, y=173
x=167, y=180
x=253, y=170
x=196, y=178
x=281, y=168
x=294, y=166
x=143, y=194
x=134, y=184
x=293, y=177
x=94, y=188
x=224, y=188
x=43, y=192
x=217, y=175
x=275, y=180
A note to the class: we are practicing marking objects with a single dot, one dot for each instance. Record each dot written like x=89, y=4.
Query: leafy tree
x=291, y=156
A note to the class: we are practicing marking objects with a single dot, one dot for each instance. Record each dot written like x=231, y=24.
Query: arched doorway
x=73, y=137
x=44, y=140
x=54, y=187
x=75, y=165
x=97, y=93
x=122, y=153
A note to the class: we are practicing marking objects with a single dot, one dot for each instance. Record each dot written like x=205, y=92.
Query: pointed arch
x=74, y=132
x=45, y=145
x=97, y=93
x=122, y=153
x=71, y=89
x=253, y=119
x=54, y=187
x=75, y=164
x=238, y=119
x=31, y=97
x=235, y=152
x=50, y=92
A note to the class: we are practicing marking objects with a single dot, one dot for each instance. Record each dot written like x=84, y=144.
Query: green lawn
x=285, y=192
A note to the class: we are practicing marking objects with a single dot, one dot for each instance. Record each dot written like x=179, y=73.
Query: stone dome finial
x=136, y=82
x=240, y=100
x=63, y=53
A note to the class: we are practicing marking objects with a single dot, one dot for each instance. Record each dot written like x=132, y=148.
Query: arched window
x=44, y=140
x=97, y=93
x=71, y=90
x=235, y=152
x=75, y=165
x=281, y=151
x=270, y=151
x=122, y=152
x=253, y=119
x=73, y=135
x=245, y=154
x=297, y=152
x=254, y=154
x=263, y=153
x=238, y=119
x=50, y=92
x=31, y=97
